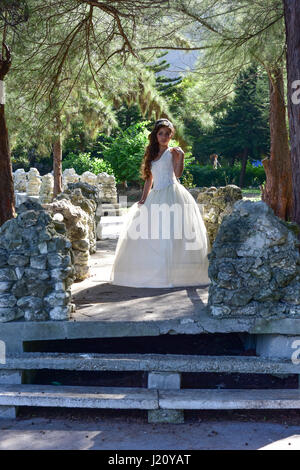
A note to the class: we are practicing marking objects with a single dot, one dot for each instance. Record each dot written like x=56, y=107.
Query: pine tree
x=237, y=34
x=243, y=131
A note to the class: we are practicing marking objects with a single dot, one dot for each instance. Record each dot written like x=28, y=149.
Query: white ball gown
x=163, y=242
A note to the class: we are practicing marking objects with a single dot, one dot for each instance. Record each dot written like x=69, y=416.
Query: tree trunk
x=82, y=144
x=243, y=169
x=277, y=192
x=7, y=195
x=57, y=165
x=292, y=24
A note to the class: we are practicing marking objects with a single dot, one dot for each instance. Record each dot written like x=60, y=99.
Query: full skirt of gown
x=162, y=248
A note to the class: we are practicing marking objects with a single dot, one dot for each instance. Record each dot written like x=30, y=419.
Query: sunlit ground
x=289, y=443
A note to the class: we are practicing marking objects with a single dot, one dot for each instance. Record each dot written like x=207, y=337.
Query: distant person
x=214, y=157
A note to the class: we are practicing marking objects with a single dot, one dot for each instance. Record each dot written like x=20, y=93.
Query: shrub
x=83, y=162
x=207, y=176
x=126, y=151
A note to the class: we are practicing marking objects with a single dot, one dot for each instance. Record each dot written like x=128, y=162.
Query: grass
x=251, y=194
x=251, y=190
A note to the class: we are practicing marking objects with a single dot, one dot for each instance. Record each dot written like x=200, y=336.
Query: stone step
x=109, y=205
x=229, y=399
x=118, y=221
x=149, y=399
x=112, y=208
x=113, y=212
x=149, y=362
x=78, y=397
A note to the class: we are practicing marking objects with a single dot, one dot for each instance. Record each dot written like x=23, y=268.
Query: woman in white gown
x=163, y=241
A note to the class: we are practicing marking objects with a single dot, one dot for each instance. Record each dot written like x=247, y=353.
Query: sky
x=180, y=61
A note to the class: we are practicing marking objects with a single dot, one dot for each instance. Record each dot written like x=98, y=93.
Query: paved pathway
x=96, y=299
x=99, y=431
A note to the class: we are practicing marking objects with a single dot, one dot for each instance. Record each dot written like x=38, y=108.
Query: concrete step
x=149, y=399
x=149, y=362
x=111, y=220
x=113, y=212
x=78, y=397
x=110, y=209
x=109, y=205
x=230, y=399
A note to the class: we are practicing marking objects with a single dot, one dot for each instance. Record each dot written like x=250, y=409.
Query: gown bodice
x=163, y=171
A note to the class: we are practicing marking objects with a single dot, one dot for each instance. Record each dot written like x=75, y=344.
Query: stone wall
x=215, y=204
x=36, y=269
x=33, y=184
x=77, y=207
x=88, y=198
x=254, y=265
x=75, y=221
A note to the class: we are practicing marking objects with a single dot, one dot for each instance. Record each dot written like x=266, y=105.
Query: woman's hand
x=141, y=201
x=178, y=161
x=178, y=152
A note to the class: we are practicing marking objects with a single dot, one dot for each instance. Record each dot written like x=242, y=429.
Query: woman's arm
x=146, y=190
x=178, y=161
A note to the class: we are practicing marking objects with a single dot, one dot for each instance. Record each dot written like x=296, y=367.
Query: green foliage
x=83, y=162
x=166, y=85
x=78, y=140
x=207, y=176
x=127, y=116
x=23, y=156
x=126, y=151
x=237, y=123
x=187, y=179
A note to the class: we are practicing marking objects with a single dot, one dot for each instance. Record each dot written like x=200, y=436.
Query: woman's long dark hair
x=152, y=148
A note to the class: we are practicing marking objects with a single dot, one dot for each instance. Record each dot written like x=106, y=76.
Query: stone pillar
x=165, y=381
x=33, y=183
x=46, y=190
x=108, y=185
x=69, y=176
x=20, y=180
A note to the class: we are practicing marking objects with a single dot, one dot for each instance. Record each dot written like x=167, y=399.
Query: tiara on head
x=163, y=121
